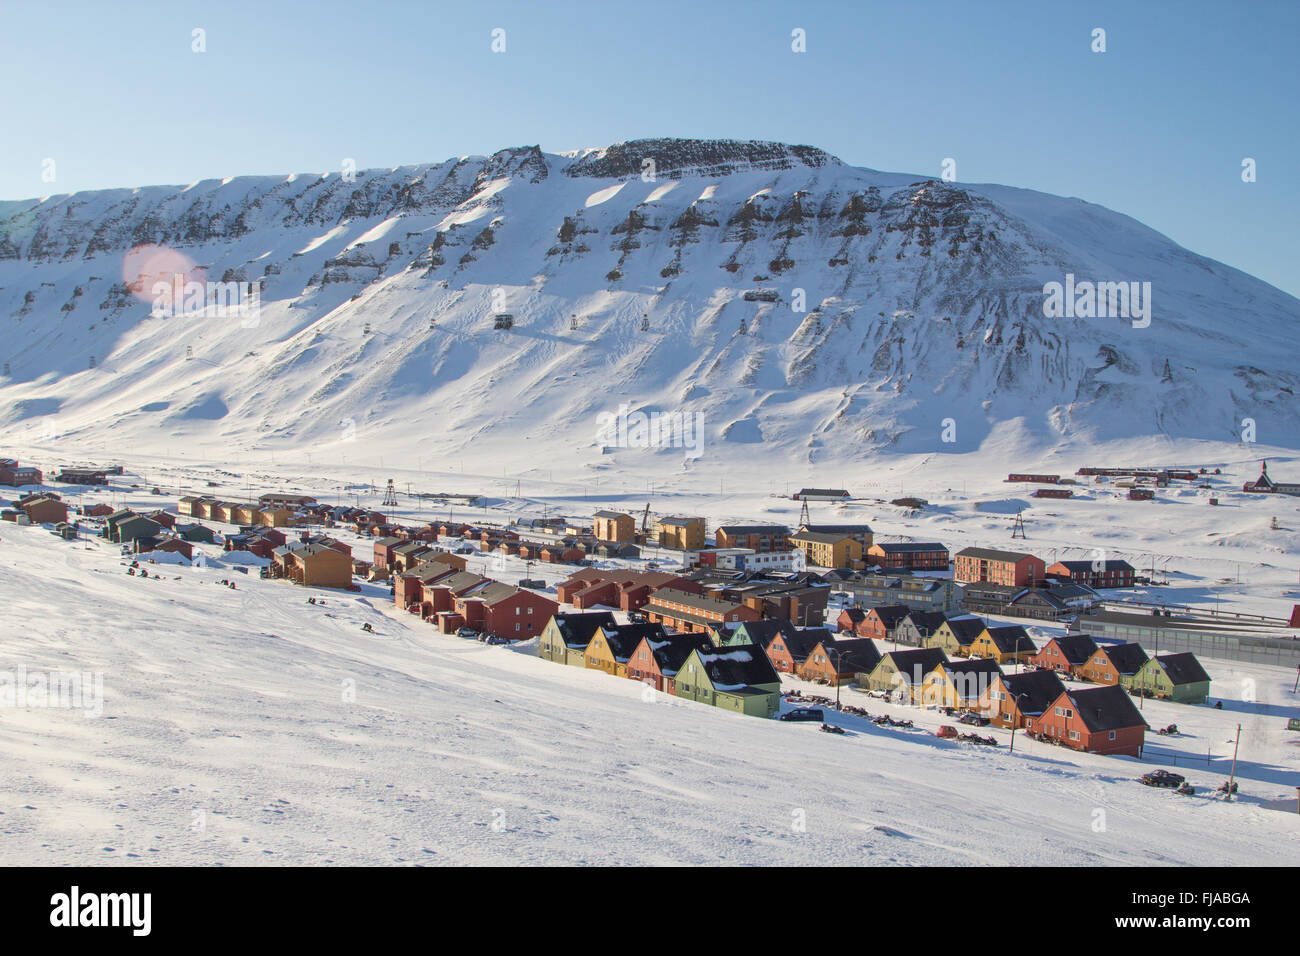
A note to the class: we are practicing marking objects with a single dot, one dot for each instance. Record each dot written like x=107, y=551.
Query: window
x=1074, y=735
x=1112, y=735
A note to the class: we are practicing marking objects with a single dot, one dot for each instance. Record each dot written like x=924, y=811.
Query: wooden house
x=917, y=627
x=956, y=635
x=658, y=657
x=881, y=622
x=903, y=673
x=564, y=637
x=612, y=647
x=44, y=508
x=1112, y=664
x=739, y=678
x=1013, y=700
x=762, y=538
x=694, y=613
x=614, y=526
x=842, y=661
x=682, y=533
x=1101, y=720
x=960, y=683
x=1108, y=573
x=1006, y=643
x=1065, y=654
x=828, y=549
x=912, y=555
x=1176, y=677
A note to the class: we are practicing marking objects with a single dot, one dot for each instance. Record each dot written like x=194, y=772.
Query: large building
x=986, y=565
x=757, y=537
x=912, y=555
x=1111, y=573
x=15, y=476
x=613, y=526
x=829, y=549
x=682, y=533
x=695, y=613
x=922, y=593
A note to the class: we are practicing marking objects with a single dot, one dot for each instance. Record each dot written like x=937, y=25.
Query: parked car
x=1162, y=778
x=973, y=719
x=804, y=713
x=466, y=632
x=495, y=639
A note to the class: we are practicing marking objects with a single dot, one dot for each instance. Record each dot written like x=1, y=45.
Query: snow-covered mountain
x=875, y=306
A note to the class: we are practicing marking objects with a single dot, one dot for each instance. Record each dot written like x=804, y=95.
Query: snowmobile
x=1170, y=731
x=367, y=628
x=1186, y=790
x=1225, y=787
x=832, y=729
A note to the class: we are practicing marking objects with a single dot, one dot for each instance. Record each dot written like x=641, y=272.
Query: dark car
x=467, y=632
x=1162, y=778
x=973, y=719
x=804, y=713
x=494, y=639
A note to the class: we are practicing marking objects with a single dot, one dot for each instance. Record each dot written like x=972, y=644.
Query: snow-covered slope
x=923, y=302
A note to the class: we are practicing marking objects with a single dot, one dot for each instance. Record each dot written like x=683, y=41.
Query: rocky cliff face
x=825, y=310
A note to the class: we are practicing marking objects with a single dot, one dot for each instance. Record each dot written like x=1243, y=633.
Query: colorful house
x=1012, y=700
x=738, y=678
x=956, y=635
x=960, y=683
x=1065, y=654
x=916, y=629
x=1100, y=720
x=903, y=672
x=913, y=555
x=1005, y=643
x=565, y=637
x=657, y=659
x=1112, y=664
x=842, y=661
x=1176, y=677
x=683, y=611
x=613, y=526
x=613, y=646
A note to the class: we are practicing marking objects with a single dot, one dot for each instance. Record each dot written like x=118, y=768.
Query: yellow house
x=955, y=635
x=684, y=533
x=829, y=550
x=958, y=684
x=1004, y=643
x=246, y=514
x=609, y=650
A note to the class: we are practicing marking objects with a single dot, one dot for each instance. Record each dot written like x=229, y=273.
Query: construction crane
x=645, y=521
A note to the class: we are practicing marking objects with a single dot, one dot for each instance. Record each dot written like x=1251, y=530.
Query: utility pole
x=1232, y=777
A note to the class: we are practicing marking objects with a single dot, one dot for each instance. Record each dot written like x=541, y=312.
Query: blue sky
x=1155, y=127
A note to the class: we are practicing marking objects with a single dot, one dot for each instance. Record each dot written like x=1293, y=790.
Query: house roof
x=624, y=638
x=611, y=514
x=855, y=614
x=678, y=522
x=1075, y=648
x=926, y=621
x=1108, y=565
x=577, y=629
x=1033, y=691
x=735, y=529
x=821, y=537
x=696, y=601
x=823, y=492
x=1105, y=708
x=1011, y=638
x=837, y=528
x=965, y=629
x=1182, y=668
x=671, y=650
x=890, y=614
x=737, y=666
x=850, y=655
x=907, y=662
x=992, y=554
x=908, y=547
x=970, y=665
x=1125, y=658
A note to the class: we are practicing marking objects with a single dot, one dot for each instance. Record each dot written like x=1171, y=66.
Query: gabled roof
x=965, y=629
x=1125, y=658
x=577, y=629
x=737, y=666
x=735, y=529
x=908, y=547
x=624, y=638
x=890, y=614
x=855, y=614
x=1105, y=708
x=1107, y=565
x=1010, y=639
x=1182, y=668
x=671, y=650
x=823, y=492
x=1075, y=648
x=611, y=514
x=1033, y=691
x=971, y=665
x=906, y=662
x=927, y=622
x=850, y=655
x=991, y=554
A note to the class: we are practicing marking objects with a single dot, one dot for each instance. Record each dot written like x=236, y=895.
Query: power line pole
x=1232, y=777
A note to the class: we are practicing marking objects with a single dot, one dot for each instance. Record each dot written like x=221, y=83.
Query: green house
x=565, y=637
x=738, y=677
x=1176, y=677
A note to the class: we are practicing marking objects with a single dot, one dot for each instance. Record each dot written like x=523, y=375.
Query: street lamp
x=1018, y=699
x=838, y=658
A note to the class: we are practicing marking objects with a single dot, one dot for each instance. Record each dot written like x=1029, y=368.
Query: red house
x=986, y=565
x=1065, y=654
x=849, y=620
x=1099, y=720
x=880, y=622
x=504, y=610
